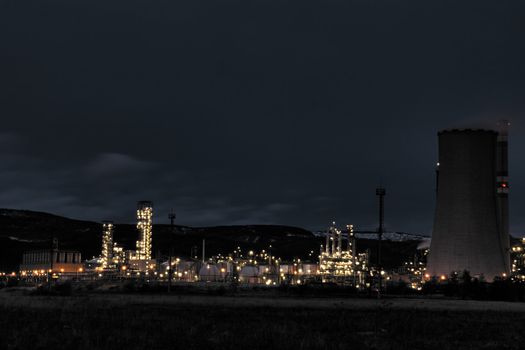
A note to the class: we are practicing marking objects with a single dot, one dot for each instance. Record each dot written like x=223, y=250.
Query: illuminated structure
x=337, y=264
x=413, y=271
x=43, y=262
x=112, y=255
x=471, y=219
x=518, y=260
x=119, y=255
x=144, y=226
x=107, y=245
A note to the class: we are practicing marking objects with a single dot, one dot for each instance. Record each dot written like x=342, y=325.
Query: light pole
x=380, y=192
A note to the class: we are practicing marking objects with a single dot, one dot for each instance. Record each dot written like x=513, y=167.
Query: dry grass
x=188, y=322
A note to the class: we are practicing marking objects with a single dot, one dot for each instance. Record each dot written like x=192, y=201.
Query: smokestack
x=334, y=232
x=467, y=226
x=203, y=251
x=328, y=240
x=340, y=241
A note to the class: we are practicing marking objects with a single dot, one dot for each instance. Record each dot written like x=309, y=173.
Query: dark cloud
x=250, y=111
x=116, y=164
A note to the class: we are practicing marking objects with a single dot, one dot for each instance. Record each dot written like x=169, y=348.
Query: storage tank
x=209, y=273
x=467, y=232
x=249, y=274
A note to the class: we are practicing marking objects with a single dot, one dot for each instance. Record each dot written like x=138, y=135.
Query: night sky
x=251, y=111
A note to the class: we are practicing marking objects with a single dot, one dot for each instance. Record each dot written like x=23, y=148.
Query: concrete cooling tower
x=471, y=220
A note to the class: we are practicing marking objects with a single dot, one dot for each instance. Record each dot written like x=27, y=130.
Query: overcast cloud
x=250, y=111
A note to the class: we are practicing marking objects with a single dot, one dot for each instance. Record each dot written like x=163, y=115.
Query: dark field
x=215, y=322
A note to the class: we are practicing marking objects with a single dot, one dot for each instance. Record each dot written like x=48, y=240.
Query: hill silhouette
x=22, y=230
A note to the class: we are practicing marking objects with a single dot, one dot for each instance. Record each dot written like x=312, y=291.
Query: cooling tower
x=471, y=225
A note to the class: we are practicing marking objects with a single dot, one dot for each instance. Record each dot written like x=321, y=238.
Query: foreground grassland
x=241, y=322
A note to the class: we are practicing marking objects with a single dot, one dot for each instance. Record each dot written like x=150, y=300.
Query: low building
x=142, y=265
x=249, y=274
x=210, y=273
x=42, y=262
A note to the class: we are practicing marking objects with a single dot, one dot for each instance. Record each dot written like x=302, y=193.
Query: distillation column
x=107, y=244
x=145, y=227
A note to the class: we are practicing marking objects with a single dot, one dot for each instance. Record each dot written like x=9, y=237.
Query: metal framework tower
x=502, y=173
x=107, y=244
x=145, y=228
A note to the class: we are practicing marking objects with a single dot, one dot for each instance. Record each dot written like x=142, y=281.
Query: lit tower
x=351, y=240
x=107, y=244
x=144, y=225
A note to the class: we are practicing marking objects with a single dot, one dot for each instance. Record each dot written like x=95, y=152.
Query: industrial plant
x=339, y=265
x=335, y=263
x=471, y=233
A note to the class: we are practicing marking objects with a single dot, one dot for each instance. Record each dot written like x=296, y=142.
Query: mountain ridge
x=23, y=230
